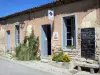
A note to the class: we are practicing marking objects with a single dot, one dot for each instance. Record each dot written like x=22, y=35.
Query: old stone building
x=75, y=28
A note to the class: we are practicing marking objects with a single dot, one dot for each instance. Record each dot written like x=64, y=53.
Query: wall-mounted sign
x=50, y=14
x=55, y=36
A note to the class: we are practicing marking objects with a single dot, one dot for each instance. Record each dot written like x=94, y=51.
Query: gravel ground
x=49, y=68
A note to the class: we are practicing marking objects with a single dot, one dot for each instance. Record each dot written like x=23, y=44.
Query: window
x=17, y=34
x=69, y=34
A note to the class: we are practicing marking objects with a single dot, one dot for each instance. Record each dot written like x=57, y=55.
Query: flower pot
x=65, y=65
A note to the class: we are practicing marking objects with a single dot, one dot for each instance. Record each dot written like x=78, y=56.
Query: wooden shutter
x=64, y=34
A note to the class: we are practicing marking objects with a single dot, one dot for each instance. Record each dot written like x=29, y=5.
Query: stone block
x=61, y=64
x=73, y=71
x=82, y=59
x=92, y=70
x=66, y=65
x=90, y=61
x=84, y=64
x=91, y=65
x=79, y=68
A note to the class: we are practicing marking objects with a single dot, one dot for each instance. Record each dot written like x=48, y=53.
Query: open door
x=45, y=40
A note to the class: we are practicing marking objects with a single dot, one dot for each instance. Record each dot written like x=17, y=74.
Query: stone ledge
x=87, y=65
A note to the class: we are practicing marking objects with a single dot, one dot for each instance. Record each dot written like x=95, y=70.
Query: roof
x=44, y=6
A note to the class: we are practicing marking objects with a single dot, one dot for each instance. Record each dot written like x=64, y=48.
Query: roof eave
x=48, y=5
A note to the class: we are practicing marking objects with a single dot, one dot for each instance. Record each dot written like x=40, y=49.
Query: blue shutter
x=74, y=32
x=64, y=35
x=45, y=45
x=43, y=41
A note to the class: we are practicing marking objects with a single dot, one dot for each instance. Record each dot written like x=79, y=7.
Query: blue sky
x=10, y=6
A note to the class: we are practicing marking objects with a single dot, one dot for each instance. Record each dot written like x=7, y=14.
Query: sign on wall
x=55, y=36
x=50, y=14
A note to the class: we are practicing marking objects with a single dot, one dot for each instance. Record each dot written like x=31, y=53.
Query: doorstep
x=46, y=59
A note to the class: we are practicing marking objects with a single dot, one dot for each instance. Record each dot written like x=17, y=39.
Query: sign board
x=55, y=36
x=50, y=14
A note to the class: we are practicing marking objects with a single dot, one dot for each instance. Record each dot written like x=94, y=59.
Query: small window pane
x=69, y=42
x=69, y=35
x=69, y=28
x=69, y=21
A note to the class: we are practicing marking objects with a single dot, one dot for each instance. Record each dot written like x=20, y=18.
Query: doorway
x=88, y=43
x=8, y=40
x=46, y=40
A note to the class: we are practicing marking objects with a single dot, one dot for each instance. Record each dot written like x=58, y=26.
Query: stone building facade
x=80, y=14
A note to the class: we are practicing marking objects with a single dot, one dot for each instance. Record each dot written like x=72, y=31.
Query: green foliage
x=61, y=57
x=7, y=51
x=17, y=50
x=28, y=49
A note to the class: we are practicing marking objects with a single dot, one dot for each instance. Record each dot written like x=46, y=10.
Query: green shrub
x=17, y=50
x=7, y=51
x=54, y=57
x=28, y=49
x=60, y=57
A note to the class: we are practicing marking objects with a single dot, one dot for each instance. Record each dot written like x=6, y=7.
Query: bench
x=90, y=66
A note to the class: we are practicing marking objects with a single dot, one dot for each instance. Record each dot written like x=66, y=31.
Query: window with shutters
x=17, y=34
x=69, y=32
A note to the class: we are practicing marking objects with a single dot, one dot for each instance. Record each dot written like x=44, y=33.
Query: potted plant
x=61, y=59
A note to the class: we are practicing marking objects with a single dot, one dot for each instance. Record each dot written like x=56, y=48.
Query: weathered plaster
x=29, y=30
x=2, y=39
x=89, y=20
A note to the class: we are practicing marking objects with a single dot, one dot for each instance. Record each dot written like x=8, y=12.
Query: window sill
x=68, y=49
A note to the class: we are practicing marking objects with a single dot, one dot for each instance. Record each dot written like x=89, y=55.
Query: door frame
x=95, y=39
x=41, y=37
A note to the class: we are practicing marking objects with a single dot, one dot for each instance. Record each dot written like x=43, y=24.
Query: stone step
x=46, y=59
